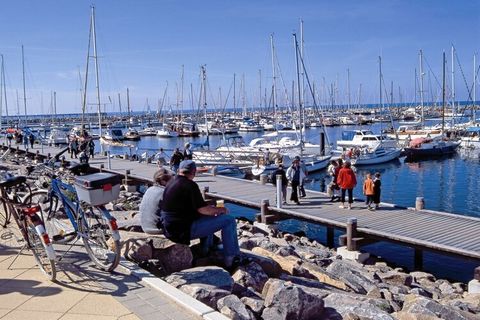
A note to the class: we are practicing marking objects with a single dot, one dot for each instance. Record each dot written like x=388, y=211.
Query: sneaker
x=341, y=206
x=349, y=208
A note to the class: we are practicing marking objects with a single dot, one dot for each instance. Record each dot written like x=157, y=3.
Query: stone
x=356, y=256
x=419, y=275
x=374, y=293
x=206, y=284
x=352, y=275
x=474, y=286
x=233, y=307
x=340, y=306
x=251, y=275
x=325, y=277
x=283, y=300
x=421, y=305
x=288, y=264
x=401, y=315
x=397, y=278
x=269, y=266
x=421, y=292
x=310, y=283
x=254, y=303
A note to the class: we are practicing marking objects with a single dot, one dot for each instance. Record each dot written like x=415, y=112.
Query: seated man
x=186, y=216
x=151, y=203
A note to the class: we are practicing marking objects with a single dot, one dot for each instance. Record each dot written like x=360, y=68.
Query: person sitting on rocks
x=151, y=203
x=186, y=216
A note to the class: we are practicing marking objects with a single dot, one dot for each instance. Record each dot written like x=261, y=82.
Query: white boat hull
x=369, y=159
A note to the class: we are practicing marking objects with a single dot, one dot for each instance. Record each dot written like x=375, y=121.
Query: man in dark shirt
x=186, y=216
x=175, y=160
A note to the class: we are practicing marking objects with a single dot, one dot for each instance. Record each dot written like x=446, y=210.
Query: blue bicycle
x=69, y=214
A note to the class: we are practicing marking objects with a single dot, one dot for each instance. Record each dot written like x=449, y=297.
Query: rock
x=250, y=243
x=286, y=301
x=473, y=300
x=310, y=283
x=419, y=275
x=254, y=303
x=424, y=306
x=421, y=292
x=269, y=266
x=251, y=275
x=233, y=307
x=352, y=275
x=374, y=293
x=325, y=276
x=413, y=316
x=287, y=251
x=288, y=264
x=174, y=256
x=445, y=287
x=206, y=284
x=341, y=306
x=397, y=278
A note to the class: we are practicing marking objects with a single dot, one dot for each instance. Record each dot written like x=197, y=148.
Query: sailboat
x=430, y=147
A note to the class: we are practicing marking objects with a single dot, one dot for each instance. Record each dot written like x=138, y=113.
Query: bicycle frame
x=73, y=209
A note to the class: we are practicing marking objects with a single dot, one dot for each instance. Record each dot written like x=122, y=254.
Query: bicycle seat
x=77, y=168
x=13, y=181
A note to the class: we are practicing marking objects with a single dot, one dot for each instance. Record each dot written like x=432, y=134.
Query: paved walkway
x=80, y=292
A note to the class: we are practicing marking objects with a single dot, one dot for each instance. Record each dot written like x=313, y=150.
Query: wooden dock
x=437, y=231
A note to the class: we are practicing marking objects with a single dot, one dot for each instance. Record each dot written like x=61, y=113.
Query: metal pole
x=279, y=191
x=109, y=160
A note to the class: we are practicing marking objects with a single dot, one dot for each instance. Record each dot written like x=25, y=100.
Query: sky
x=143, y=45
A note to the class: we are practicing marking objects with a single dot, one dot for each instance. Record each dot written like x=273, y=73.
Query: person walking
x=25, y=141
x=347, y=181
x=9, y=138
x=377, y=190
x=186, y=216
x=303, y=167
x=280, y=171
x=187, y=152
x=175, y=160
x=31, y=139
x=73, y=148
x=91, y=148
x=332, y=186
x=369, y=191
x=295, y=175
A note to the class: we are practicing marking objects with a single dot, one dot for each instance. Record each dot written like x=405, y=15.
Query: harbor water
x=447, y=184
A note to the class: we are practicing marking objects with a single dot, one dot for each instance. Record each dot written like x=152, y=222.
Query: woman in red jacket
x=346, y=180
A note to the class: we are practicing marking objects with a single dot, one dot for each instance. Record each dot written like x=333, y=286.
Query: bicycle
x=69, y=216
x=29, y=222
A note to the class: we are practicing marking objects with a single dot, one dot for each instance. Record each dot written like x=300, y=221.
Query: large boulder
x=233, y=307
x=341, y=306
x=396, y=278
x=251, y=275
x=352, y=275
x=206, y=284
x=284, y=300
x=414, y=304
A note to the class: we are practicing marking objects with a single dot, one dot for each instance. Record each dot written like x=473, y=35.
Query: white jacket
x=291, y=173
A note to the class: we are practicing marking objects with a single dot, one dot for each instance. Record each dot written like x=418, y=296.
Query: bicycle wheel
x=101, y=241
x=39, y=250
x=4, y=213
x=57, y=223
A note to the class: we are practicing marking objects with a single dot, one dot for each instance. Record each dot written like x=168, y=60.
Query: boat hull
x=436, y=151
x=366, y=160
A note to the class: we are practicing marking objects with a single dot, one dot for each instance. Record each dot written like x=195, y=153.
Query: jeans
x=206, y=226
x=350, y=195
x=294, y=195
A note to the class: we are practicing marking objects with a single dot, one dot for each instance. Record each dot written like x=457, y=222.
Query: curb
x=181, y=298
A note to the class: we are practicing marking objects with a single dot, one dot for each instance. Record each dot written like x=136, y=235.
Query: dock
x=441, y=232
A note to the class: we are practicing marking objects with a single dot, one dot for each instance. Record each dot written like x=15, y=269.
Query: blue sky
x=142, y=45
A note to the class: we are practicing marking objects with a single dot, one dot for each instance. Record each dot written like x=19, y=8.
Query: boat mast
x=299, y=91
x=421, y=88
x=128, y=104
x=274, y=85
x=453, y=86
x=4, y=87
x=24, y=90
x=1, y=92
x=474, y=87
x=97, y=84
x=380, y=86
x=303, y=69
x=234, y=97
x=204, y=87
x=443, y=91
x=348, y=88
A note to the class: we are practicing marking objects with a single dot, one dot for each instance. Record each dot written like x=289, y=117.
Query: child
x=368, y=190
x=377, y=190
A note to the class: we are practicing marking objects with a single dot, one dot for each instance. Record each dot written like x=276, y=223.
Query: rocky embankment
x=292, y=277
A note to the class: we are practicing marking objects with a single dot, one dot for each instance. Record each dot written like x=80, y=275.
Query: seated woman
x=151, y=203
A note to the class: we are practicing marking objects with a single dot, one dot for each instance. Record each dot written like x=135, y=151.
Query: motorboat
x=250, y=126
x=364, y=139
x=114, y=134
x=132, y=135
x=148, y=131
x=414, y=131
x=58, y=135
x=471, y=138
x=165, y=132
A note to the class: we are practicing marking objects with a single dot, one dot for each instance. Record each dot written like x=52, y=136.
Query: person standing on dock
x=332, y=186
x=186, y=216
x=369, y=191
x=347, y=181
x=25, y=141
x=31, y=139
x=9, y=138
x=73, y=148
x=187, y=152
x=377, y=190
x=295, y=175
x=303, y=167
x=175, y=160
